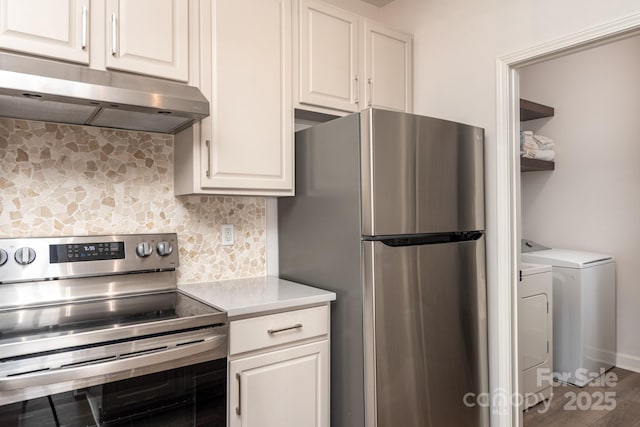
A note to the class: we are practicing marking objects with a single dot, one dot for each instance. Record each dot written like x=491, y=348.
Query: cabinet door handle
x=238, y=408
x=208, y=171
x=288, y=328
x=114, y=36
x=84, y=27
x=357, y=100
x=370, y=83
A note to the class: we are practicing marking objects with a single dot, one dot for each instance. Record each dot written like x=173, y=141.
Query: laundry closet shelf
x=530, y=110
x=535, y=165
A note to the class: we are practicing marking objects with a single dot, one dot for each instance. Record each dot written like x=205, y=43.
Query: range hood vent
x=39, y=89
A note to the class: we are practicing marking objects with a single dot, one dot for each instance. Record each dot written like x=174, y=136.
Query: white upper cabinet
x=388, y=68
x=346, y=63
x=148, y=37
x=139, y=36
x=246, y=146
x=328, y=56
x=52, y=28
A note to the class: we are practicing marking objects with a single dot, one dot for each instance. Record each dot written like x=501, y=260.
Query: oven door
x=176, y=379
x=188, y=396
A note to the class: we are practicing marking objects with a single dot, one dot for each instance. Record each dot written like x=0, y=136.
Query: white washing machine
x=535, y=332
x=584, y=311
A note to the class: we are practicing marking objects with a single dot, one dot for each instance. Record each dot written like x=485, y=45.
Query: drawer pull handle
x=275, y=331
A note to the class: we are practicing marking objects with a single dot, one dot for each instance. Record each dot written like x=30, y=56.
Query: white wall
x=456, y=43
x=592, y=200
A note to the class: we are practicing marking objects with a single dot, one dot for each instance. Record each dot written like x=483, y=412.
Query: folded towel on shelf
x=544, y=141
x=539, y=154
x=535, y=142
x=526, y=137
x=533, y=145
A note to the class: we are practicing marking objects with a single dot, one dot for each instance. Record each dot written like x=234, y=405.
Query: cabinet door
x=248, y=139
x=328, y=56
x=285, y=388
x=52, y=28
x=149, y=37
x=388, y=68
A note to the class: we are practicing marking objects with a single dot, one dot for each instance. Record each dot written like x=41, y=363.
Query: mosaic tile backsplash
x=58, y=180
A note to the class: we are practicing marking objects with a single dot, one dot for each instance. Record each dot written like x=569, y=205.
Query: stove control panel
x=90, y=251
x=46, y=258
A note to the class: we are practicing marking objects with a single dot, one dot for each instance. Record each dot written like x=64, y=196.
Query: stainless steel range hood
x=39, y=89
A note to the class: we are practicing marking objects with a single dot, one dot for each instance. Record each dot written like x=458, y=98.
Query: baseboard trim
x=628, y=362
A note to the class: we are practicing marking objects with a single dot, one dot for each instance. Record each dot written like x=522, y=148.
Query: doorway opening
x=508, y=194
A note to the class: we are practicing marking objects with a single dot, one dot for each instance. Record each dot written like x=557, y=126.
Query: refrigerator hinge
x=520, y=275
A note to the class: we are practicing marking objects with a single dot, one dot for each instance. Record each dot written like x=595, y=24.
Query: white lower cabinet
x=279, y=369
x=284, y=388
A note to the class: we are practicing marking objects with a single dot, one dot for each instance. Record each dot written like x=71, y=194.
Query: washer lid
x=566, y=258
x=528, y=268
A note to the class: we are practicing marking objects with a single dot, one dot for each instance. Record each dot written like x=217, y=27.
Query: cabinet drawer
x=266, y=331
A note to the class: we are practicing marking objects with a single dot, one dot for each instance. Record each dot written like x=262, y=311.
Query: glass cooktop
x=132, y=315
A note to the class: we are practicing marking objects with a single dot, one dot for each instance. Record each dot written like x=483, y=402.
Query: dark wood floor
x=595, y=405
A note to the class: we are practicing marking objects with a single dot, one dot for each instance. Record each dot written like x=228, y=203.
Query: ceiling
x=378, y=3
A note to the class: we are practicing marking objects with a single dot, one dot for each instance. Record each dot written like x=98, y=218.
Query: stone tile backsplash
x=58, y=180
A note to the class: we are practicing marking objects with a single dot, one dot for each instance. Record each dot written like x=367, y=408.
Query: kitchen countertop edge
x=255, y=295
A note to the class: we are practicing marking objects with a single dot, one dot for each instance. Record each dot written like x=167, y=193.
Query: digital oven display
x=86, y=252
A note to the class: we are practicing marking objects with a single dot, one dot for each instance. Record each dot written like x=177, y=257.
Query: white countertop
x=257, y=294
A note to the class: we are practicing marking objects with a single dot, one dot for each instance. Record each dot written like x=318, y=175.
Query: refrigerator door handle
x=429, y=239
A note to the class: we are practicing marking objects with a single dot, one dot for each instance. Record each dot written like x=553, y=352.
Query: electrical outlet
x=228, y=237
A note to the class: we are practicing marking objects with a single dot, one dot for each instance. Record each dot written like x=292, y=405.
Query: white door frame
x=504, y=312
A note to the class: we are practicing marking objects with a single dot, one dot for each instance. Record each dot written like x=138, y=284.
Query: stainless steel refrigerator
x=389, y=214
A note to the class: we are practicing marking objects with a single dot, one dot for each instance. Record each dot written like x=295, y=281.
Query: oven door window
x=183, y=397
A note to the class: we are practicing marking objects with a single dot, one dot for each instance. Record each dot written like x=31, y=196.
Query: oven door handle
x=104, y=371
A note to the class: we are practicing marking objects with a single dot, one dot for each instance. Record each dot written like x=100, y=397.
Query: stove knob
x=24, y=256
x=164, y=248
x=3, y=257
x=144, y=249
